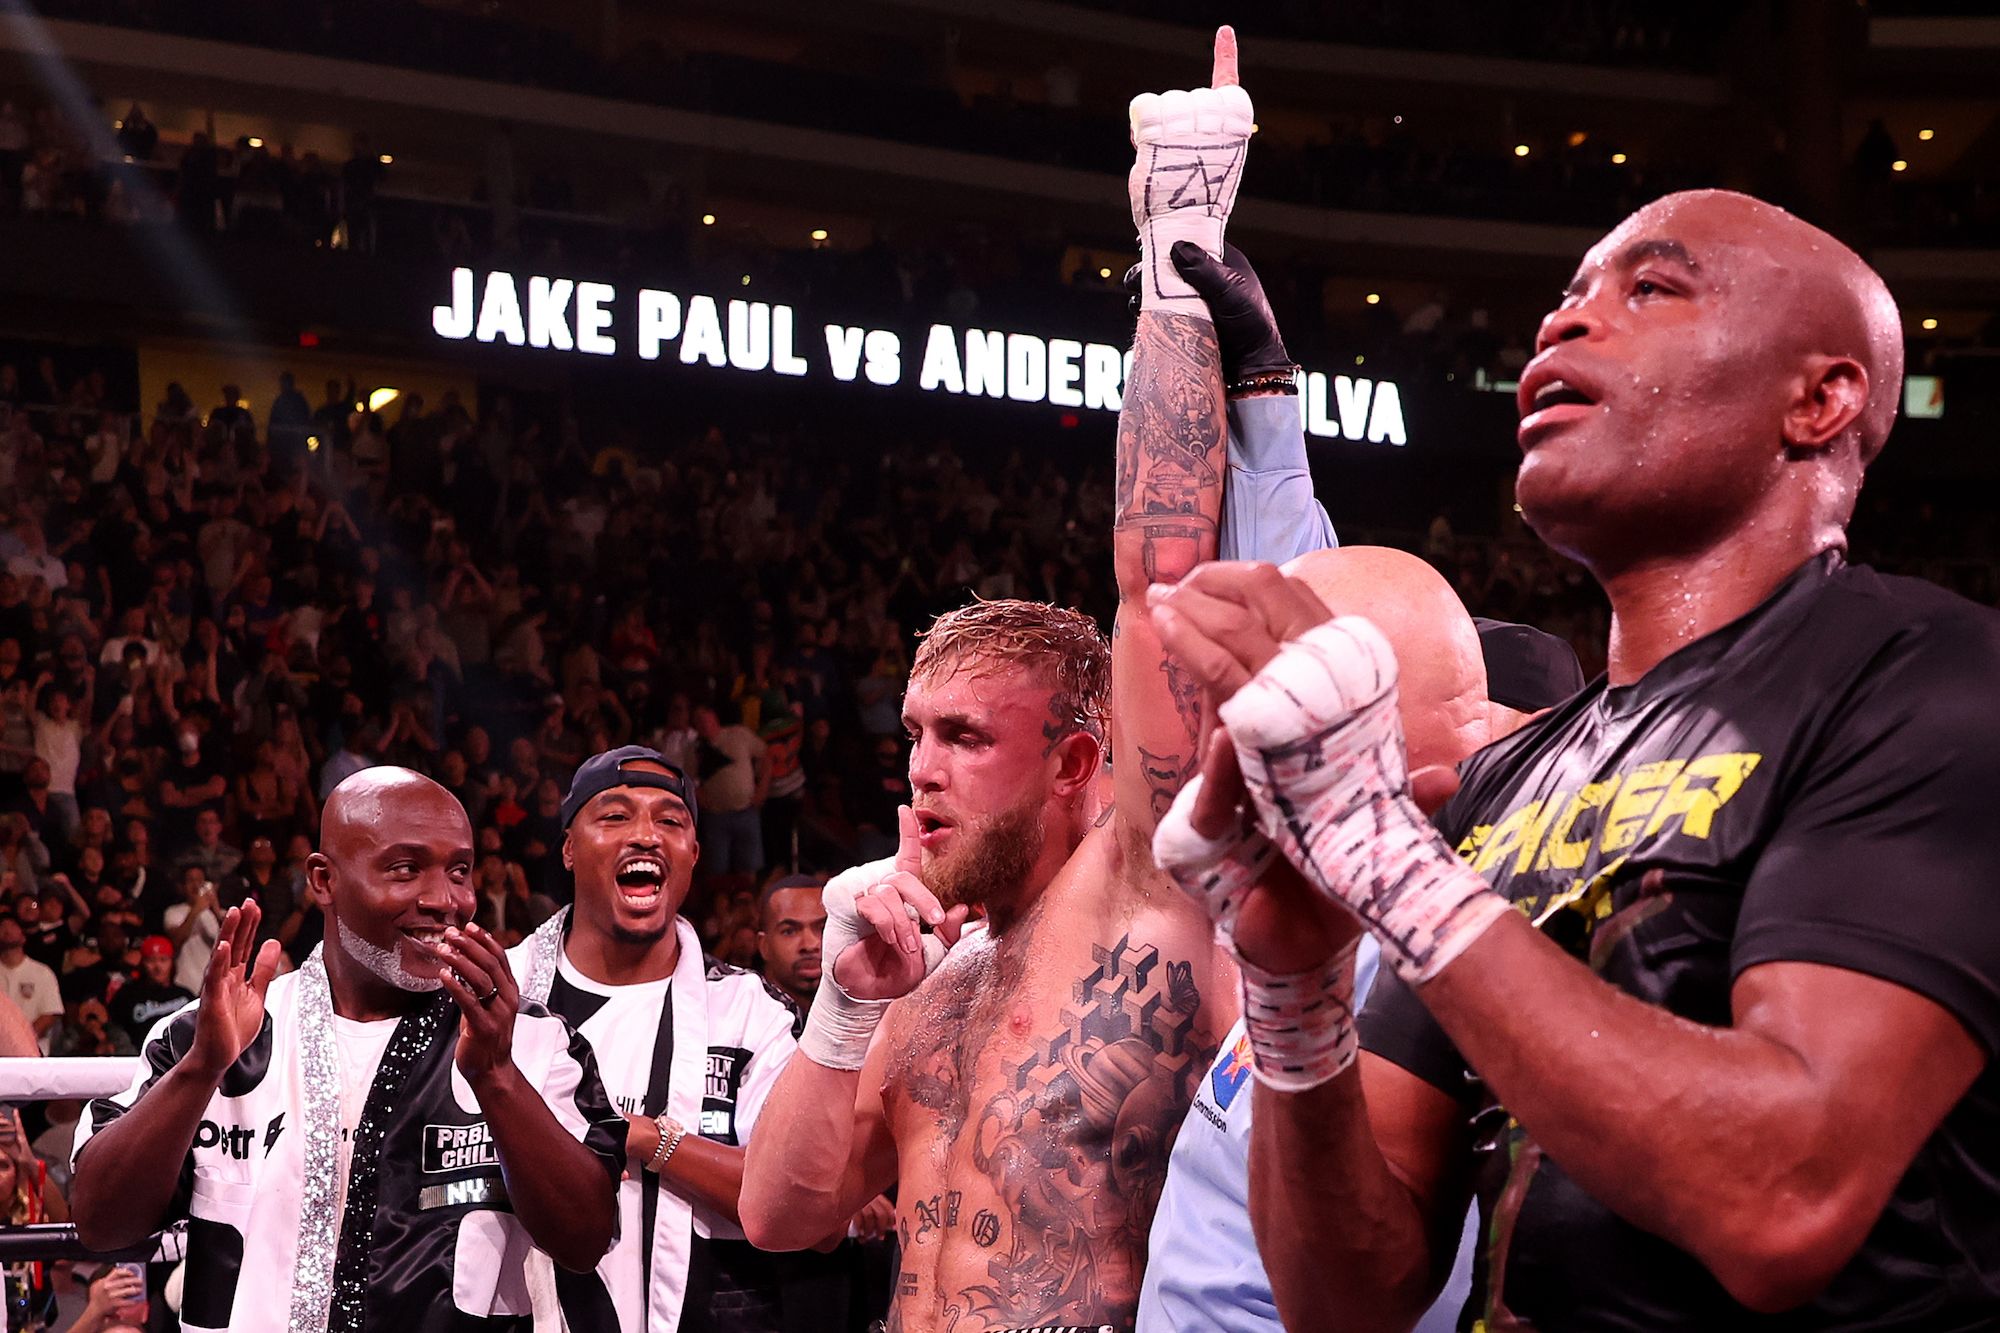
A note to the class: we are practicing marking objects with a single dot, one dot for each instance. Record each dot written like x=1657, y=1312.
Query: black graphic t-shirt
x=1812, y=783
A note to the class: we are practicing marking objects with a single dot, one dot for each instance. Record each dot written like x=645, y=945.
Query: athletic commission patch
x=1231, y=1072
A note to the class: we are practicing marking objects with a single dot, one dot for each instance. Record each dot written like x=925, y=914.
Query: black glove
x=1244, y=325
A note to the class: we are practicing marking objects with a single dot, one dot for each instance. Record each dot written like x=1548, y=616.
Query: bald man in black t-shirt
x=1704, y=1007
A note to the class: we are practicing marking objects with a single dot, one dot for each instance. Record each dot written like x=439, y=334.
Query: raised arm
x=1171, y=428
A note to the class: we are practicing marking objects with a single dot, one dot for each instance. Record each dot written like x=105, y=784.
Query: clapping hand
x=478, y=977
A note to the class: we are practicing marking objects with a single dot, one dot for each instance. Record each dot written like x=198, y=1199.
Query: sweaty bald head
x=1717, y=369
x=1825, y=298
x=1442, y=692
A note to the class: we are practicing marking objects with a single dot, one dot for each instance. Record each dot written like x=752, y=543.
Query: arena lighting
x=577, y=316
x=1899, y=165
x=382, y=397
x=1929, y=324
x=1520, y=150
x=1927, y=135
x=1618, y=159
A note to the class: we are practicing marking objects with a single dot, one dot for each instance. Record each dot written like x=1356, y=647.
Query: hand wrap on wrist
x=840, y=1026
x=1217, y=873
x=1320, y=744
x=1301, y=1024
x=1190, y=150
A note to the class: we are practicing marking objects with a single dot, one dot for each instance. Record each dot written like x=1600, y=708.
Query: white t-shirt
x=191, y=963
x=48, y=567
x=60, y=744
x=749, y=1042
x=32, y=986
x=359, y=1045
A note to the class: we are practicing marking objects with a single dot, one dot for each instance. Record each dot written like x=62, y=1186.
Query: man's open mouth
x=641, y=879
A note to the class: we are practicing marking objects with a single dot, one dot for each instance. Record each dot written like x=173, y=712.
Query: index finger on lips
x=1224, y=74
x=916, y=893
x=909, y=852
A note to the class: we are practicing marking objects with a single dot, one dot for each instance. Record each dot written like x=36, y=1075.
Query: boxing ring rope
x=46, y=1078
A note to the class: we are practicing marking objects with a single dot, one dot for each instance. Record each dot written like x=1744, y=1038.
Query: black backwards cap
x=602, y=772
x=1527, y=669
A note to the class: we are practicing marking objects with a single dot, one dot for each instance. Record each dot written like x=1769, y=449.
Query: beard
x=384, y=963
x=992, y=859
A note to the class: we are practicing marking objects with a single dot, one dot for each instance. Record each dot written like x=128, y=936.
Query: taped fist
x=1189, y=148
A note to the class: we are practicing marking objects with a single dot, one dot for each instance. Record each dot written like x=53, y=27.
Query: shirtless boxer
x=1023, y=1097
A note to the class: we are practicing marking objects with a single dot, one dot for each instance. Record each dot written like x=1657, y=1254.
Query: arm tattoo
x=1171, y=433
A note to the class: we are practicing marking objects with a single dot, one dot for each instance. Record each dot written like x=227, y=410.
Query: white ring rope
x=39, y=1078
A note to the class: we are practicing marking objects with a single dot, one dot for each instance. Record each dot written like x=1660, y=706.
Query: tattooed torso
x=1034, y=1086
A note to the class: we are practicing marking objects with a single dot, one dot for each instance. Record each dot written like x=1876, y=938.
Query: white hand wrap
x=839, y=1027
x=1217, y=873
x=1321, y=747
x=1301, y=1025
x=1191, y=146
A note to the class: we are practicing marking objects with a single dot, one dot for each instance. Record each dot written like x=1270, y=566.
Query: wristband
x=1301, y=1025
x=1284, y=379
x=671, y=1134
x=839, y=1027
x=1320, y=744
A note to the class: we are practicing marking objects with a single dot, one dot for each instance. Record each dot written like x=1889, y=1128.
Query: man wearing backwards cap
x=687, y=1046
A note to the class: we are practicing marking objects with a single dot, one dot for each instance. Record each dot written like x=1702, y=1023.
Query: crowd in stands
x=1364, y=161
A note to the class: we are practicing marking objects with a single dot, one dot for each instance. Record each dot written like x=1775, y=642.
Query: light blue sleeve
x=1268, y=508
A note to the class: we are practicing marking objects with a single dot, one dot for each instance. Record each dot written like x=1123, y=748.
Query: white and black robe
x=705, y=1046
x=427, y=1242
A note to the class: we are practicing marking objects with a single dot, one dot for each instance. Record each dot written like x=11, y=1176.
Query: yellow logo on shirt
x=1559, y=832
x=1609, y=818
